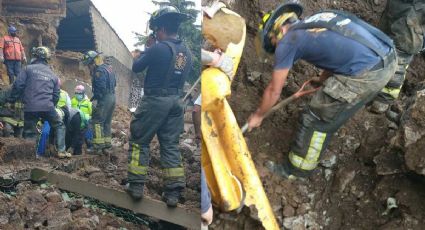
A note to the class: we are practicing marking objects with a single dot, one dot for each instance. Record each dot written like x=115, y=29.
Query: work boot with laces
x=135, y=190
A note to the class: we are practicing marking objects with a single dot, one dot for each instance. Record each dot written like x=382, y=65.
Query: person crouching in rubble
x=103, y=83
x=81, y=102
x=38, y=87
x=76, y=125
x=160, y=112
x=358, y=61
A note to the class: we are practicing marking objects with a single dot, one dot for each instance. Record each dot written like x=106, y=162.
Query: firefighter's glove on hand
x=254, y=121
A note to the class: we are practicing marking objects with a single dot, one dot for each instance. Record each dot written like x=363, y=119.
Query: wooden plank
x=146, y=206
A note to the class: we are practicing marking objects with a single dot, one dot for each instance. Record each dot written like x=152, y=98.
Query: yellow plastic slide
x=231, y=174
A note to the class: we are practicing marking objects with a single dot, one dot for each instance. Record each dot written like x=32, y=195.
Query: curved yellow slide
x=231, y=174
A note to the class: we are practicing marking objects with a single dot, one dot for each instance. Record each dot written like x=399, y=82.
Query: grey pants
x=338, y=100
x=162, y=116
x=101, y=121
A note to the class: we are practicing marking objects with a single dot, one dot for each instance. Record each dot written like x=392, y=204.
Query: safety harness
x=337, y=21
x=164, y=90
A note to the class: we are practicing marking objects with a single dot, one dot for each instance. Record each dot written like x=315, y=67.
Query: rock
x=57, y=216
x=76, y=204
x=410, y=136
x=91, y=169
x=31, y=204
x=328, y=174
x=388, y=163
x=351, y=144
x=328, y=161
x=414, y=157
x=379, y=107
x=254, y=76
x=303, y=209
x=288, y=211
x=296, y=222
x=413, y=120
x=343, y=177
x=53, y=197
x=310, y=221
x=84, y=223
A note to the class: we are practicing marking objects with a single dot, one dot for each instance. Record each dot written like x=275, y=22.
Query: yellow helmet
x=271, y=22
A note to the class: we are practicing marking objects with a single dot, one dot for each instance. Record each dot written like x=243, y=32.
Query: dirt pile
x=38, y=206
x=368, y=163
x=45, y=207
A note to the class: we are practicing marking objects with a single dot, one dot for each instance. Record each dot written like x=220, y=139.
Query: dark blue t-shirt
x=327, y=50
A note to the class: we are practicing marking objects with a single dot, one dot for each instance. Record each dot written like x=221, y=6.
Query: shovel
x=301, y=92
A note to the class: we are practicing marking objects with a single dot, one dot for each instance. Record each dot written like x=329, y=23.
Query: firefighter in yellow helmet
x=357, y=61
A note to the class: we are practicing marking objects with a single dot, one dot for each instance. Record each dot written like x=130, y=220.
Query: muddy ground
x=27, y=205
x=369, y=160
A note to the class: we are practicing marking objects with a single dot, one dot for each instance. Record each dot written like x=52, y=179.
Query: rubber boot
x=279, y=169
x=135, y=190
x=171, y=198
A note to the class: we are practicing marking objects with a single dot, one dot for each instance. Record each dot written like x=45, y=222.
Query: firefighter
x=103, y=83
x=160, y=112
x=38, y=87
x=12, y=53
x=357, y=60
x=404, y=22
x=81, y=102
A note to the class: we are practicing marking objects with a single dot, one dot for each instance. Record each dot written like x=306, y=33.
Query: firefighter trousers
x=163, y=116
x=339, y=99
x=101, y=121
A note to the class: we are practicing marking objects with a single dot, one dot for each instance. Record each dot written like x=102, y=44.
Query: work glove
x=225, y=64
x=24, y=60
x=1, y=58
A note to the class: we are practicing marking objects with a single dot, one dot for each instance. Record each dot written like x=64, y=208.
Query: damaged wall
x=33, y=7
x=107, y=41
x=82, y=29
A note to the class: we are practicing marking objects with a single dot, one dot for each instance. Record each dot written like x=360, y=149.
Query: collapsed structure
x=69, y=27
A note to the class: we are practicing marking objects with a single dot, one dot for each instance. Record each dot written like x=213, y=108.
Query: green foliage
x=188, y=32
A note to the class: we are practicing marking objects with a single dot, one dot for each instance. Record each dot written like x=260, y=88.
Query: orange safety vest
x=12, y=48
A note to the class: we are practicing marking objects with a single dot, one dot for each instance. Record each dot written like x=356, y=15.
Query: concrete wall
x=107, y=41
x=124, y=78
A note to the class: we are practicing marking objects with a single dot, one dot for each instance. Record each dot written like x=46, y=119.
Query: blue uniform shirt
x=327, y=50
x=157, y=61
x=103, y=81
